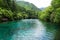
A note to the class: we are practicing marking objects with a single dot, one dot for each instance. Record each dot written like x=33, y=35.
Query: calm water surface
x=29, y=29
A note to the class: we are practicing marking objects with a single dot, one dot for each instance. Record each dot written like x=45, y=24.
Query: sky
x=40, y=3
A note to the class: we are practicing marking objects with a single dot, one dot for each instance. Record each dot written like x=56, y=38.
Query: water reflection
x=57, y=35
x=29, y=29
x=53, y=31
x=36, y=32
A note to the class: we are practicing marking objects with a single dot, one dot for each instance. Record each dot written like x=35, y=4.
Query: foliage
x=55, y=3
x=9, y=10
x=45, y=14
x=51, y=13
x=56, y=12
x=57, y=15
x=13, y=10
x=6, y=14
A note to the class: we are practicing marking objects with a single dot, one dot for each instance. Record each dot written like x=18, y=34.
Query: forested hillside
x=15, y=10
x=27, y=5
x=9, y=10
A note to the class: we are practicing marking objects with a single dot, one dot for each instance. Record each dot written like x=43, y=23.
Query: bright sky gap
x=40, y=3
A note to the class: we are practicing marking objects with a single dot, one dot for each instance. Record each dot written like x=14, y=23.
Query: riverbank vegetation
x=51, y=13
x=11, y=10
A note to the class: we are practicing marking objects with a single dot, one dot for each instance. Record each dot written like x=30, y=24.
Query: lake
x=29, y=29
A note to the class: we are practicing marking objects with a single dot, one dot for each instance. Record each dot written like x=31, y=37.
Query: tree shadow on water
x=57, y=35
x=7, y=30
x=53, y=28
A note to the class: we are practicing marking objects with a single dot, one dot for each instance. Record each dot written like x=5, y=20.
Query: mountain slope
x=27, y=5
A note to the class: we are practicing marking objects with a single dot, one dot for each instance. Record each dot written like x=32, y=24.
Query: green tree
x=55, y=3
x=45, y=14
x=57, y=15
x=56, y=11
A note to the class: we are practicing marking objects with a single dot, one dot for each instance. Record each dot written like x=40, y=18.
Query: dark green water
x=29, y=29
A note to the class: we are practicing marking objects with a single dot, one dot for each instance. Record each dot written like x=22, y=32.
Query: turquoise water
x=29, y=29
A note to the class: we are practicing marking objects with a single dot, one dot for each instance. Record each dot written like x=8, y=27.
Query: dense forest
x=51, y=13
x=12, y=10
